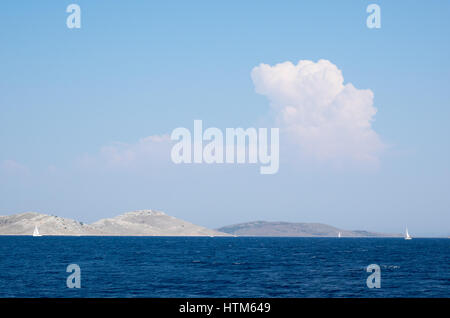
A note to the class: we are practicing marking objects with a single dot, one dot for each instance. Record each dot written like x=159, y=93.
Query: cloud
x=327, y=119
x=12, y=167
x=119, y=155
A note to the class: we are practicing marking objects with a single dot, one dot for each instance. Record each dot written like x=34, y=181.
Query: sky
x=86, y=114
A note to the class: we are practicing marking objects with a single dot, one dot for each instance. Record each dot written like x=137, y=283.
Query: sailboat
x=36, y=231
x=407, y=236
x=339, y=234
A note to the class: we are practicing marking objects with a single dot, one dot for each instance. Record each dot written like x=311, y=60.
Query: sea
x=223, y=267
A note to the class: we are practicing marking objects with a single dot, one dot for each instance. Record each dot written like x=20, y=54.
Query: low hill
x=263, y=228
x=24, y=223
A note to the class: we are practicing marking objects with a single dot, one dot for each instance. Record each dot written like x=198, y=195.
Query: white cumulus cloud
x=328, y=119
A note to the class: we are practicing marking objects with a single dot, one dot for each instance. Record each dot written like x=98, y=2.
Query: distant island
x=263, y=228
x=157, y=223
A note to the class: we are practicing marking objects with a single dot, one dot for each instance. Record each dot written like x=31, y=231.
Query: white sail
x=407, y=236
x=339, y=234
x=36, y=231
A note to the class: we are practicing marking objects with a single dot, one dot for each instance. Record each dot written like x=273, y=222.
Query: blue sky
x=142, y=68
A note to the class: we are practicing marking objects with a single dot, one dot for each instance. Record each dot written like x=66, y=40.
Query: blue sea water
x=223, y=267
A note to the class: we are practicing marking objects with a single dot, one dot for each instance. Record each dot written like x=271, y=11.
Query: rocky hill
x=153, y=223
x=24, y=223
x=137, y=223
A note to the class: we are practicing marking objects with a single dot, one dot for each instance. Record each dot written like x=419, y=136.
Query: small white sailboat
x=36, y=231
x=339, y=235
x=407, y=236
